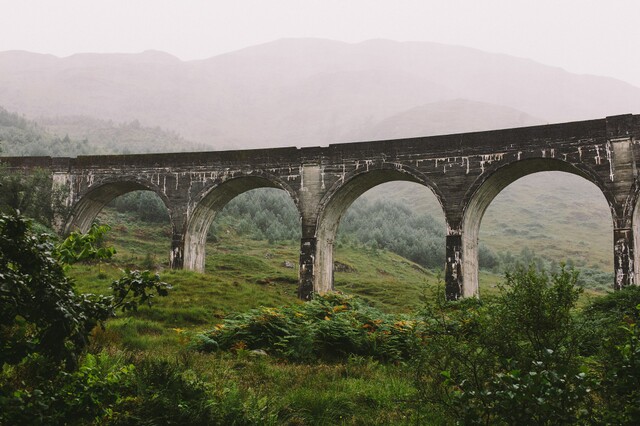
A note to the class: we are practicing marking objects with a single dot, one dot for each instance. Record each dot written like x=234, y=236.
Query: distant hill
x=300, y=91
x=81, y=135
x=437, y=118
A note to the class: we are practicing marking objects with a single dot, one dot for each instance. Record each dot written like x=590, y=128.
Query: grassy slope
x=242, y=274
x=557, y=215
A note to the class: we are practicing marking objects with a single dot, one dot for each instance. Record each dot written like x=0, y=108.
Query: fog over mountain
x=308, y=92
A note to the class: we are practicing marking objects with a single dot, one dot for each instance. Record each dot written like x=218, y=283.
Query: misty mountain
x=437, y=118
x=309, y=92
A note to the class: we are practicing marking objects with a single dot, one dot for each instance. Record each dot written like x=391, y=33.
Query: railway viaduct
x=464, y=171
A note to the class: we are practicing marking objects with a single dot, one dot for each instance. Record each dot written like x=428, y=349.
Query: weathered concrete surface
x=464, y=171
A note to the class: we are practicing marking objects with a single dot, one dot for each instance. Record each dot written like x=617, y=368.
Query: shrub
x=90, y=394
x=612, y=340
x=39, y=310
x=509, y=360
x=331, y=327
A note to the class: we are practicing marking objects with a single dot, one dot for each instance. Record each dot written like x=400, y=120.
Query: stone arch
x=336, y=202
x=209, y=202
x=96, y=196
x=489, y=185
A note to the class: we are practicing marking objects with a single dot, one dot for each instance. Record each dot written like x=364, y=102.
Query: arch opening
x=87, y=208
x=551, y=195
x=389, y=184
x=141, y=229
x=212, y=202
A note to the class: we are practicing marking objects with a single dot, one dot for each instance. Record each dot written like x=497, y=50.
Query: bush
x=510, y=360
x=39, y=310
x=108, y=390
x=90, y=394
x=331, y=327
x=40, y=313
x=612, y=340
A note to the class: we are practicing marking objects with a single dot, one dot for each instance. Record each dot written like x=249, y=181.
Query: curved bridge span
x=465, y=172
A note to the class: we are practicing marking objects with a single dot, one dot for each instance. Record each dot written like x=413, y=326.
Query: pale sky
x=583, y=36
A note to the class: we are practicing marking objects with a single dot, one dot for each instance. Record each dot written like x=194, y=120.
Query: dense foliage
x=40, y=312
x=511, y=360
x=32, y=195
x=333, y=327
x=19, y=136
x=528, y=355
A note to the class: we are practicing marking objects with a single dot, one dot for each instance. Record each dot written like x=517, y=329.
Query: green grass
x=242, y=274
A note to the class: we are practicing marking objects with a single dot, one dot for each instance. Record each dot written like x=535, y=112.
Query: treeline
x=81, y=135
x=269, y=214
x=108, y=137
x=22, y=137
x=32, y=195
x=392, y=226
x=265, y=214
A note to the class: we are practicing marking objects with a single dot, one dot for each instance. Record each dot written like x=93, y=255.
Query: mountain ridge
x=301, y=92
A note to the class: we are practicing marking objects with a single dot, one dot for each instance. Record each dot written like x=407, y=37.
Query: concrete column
x=306, y=273
x=453, y=268
x=176, y=257
x=623, y=257
x=178, y=214
x=311, y=267
x=61, y=185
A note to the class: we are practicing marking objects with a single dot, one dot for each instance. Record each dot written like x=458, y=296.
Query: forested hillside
x=81, y=135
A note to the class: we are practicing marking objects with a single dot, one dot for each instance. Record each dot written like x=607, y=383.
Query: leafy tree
x=511, y=360
x=145, y=204
x=619, y=388
x=31, y=194
x=39, y=310
x=89, y=247
x=40, y=313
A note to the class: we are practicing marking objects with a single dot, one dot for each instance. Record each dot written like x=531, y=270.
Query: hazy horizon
x=595, y=38
x=309, y=38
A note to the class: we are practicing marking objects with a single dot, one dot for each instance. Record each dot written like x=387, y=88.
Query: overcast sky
x=583, y=36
